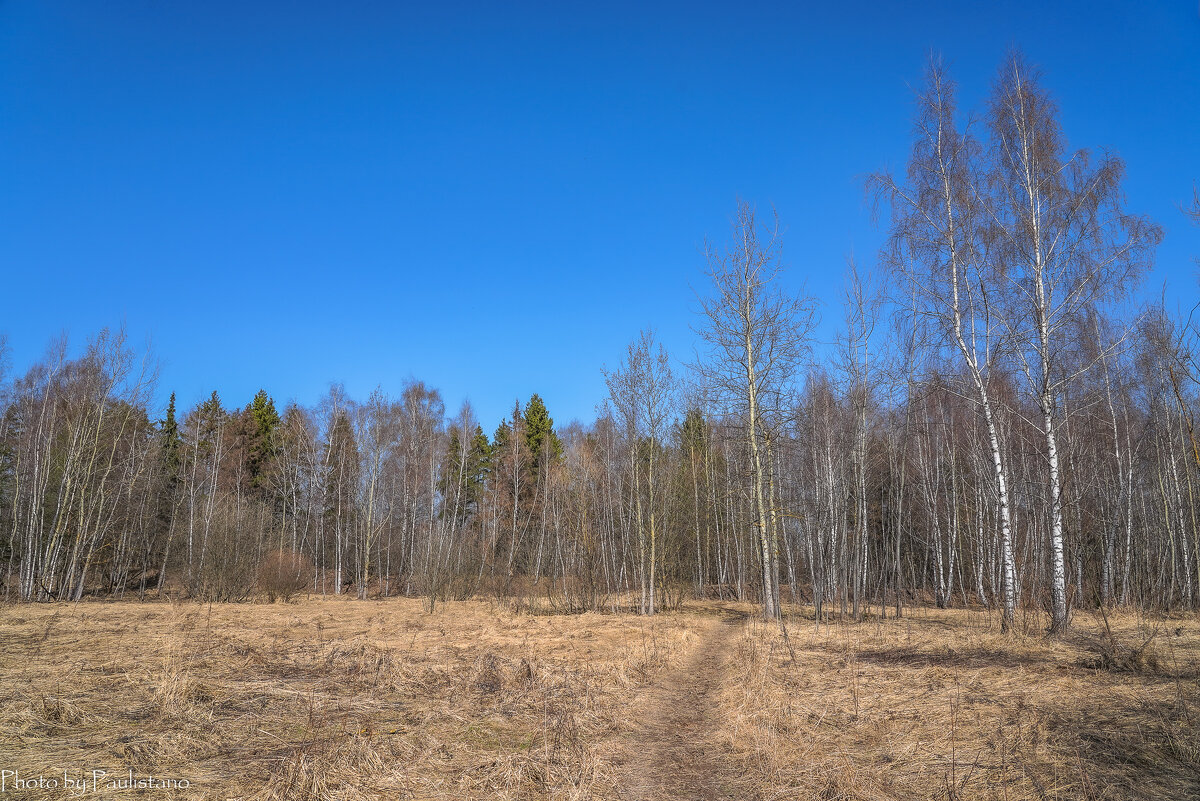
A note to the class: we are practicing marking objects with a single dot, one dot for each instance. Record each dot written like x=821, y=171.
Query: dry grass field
x=941, y=705
x=347, y=700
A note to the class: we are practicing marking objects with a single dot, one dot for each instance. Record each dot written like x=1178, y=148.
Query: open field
x=941, y=705
x=338, y=699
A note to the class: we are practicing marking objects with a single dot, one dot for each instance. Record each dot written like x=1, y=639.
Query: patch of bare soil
x=670, y=749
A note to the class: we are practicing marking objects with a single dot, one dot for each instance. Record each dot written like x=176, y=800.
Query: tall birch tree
x=1064, y=244
x=757, y=334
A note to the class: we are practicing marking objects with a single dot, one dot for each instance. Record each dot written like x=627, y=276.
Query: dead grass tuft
x=362, y=659
x=350, y=768
x=59, y=711
x=1138, y=654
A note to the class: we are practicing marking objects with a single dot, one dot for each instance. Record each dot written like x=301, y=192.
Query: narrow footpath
x=669, y=753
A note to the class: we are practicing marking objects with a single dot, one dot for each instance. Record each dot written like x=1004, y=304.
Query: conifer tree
x=210, y=416
x=171, y=453
x=471, y=464
x=539, y=433
x=500, y=438
x=342, y=467
x=171, y=441
x=481, y=453
x=263, y=421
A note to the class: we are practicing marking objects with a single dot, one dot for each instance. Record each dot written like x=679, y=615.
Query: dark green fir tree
x=544, y=445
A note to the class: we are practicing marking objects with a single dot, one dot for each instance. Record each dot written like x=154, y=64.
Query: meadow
x=347, y=700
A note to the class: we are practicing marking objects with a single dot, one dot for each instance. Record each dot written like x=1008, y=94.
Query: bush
x=284, y=573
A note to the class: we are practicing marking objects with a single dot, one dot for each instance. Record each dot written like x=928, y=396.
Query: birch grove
x=994, y=425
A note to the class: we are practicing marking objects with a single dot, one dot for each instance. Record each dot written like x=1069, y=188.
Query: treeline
x=989, y=430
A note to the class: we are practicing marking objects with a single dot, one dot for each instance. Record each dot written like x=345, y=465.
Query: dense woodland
x=999, y=424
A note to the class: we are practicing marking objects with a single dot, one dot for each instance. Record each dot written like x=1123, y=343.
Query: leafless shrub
x=284, y=573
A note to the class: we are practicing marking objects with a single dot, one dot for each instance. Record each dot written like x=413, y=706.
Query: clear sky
x=495, y=198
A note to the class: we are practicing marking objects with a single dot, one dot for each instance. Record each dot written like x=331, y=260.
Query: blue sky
x=496, y=198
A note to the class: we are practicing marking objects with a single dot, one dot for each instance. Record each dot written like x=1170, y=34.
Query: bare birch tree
x=642, y=393
x=1065, y=245
x=938, y=250
x=757, y=335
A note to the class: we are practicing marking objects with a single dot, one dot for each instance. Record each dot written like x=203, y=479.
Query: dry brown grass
x=332, y=699
x=941, y=705
x=346, y=700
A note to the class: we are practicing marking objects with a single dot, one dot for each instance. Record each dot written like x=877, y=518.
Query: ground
x=345, y=700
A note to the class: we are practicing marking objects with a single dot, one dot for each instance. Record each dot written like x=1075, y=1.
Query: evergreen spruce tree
x=473, y=466
x=172, y=443
x=171, y=453
x=539, y=434
x=500, y=438
x=481, y=456
x=454, y=468
x=693, y=432
x=505, y=430
x=210, y=416
x=263, y=422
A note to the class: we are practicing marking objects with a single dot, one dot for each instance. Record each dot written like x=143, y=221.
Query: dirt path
x=670, y=752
